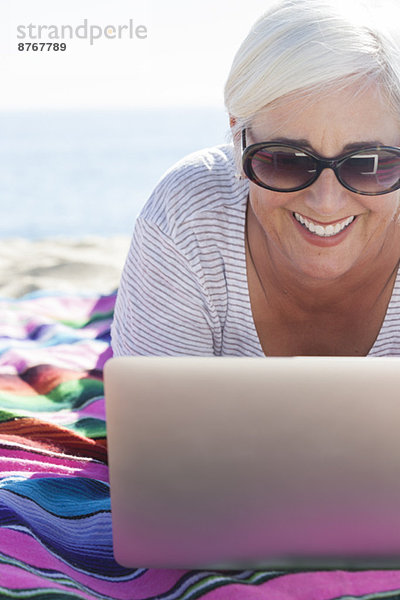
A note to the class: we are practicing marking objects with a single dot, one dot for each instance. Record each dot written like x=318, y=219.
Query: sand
x=90, y=264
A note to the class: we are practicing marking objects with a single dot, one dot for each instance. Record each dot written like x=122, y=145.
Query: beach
x=90, y=264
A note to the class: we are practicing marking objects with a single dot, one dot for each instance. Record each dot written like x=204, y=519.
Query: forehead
x=331, y=120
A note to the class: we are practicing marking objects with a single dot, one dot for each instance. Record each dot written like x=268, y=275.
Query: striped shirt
x=183, y=289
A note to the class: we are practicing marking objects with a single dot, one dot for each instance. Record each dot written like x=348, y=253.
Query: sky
x=180, y=57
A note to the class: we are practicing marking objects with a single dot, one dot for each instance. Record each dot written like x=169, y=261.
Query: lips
x=323, y=230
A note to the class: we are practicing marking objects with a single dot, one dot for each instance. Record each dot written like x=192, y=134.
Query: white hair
x=308, y=46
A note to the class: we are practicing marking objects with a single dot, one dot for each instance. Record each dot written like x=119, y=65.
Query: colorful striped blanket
x=55, y=535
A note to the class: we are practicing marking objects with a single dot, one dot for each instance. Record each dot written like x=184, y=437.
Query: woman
x=288, y=241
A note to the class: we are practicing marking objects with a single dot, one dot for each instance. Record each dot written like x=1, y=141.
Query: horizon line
x=143, y=107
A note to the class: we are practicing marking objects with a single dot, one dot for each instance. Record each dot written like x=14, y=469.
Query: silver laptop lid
x=254, y=462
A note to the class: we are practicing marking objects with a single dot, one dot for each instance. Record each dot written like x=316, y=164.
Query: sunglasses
x=285, y=168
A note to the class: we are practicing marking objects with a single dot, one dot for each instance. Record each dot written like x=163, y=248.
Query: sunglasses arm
x=243, y=140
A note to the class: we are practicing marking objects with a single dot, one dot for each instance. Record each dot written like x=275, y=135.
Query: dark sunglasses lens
x=372, y=171
x=283, y=167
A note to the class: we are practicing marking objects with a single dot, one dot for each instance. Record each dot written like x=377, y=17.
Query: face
x=326, y=125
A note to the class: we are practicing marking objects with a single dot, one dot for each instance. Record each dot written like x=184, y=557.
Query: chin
x=323, y=272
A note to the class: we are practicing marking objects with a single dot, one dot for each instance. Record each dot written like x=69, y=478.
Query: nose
x=326, y=196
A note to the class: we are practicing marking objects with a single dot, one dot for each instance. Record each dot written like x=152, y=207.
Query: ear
x=235, y=133
x=236, y=141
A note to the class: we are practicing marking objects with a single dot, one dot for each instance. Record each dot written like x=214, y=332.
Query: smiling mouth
x=320, y=230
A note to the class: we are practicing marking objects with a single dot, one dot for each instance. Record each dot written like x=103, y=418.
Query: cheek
x=269, y=210
x=264, y=202
x=396, y=211
x=382, y=217
x=390, y=211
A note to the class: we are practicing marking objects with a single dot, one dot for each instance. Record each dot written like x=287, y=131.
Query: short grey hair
x=309, y=46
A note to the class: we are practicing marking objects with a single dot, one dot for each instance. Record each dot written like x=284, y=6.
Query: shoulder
x=202, y=183
x=214, y=165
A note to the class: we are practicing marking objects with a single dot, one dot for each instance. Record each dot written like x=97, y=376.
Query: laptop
x=231, y=463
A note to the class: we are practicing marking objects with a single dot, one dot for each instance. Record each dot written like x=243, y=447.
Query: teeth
x=327, y=231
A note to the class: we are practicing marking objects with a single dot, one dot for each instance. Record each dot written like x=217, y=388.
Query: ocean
x=88, y=172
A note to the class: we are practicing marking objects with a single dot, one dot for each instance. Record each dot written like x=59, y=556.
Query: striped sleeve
x=162, y=308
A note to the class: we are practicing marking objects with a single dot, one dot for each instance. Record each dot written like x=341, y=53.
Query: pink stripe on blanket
x=16, y=578
x=20, y=462
x=82, y=356
x=318, y=585
x=95, y=409
x=65, y=307
x=148, y=583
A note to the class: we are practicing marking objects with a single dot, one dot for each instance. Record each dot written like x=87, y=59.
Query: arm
x=162, y=306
